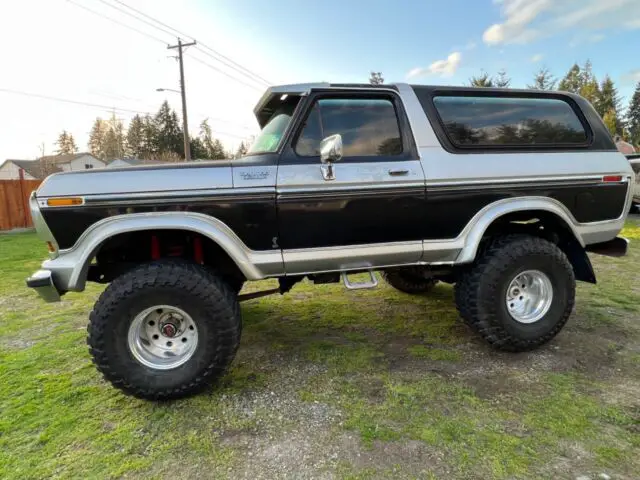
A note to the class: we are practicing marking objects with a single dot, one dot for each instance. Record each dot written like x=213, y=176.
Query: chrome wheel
x=529, y=296
x=162, y=337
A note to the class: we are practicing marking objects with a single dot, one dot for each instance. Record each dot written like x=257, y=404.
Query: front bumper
x=42, y=282
x=613, y=248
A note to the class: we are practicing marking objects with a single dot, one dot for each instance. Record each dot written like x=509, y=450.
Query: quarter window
x=369, y=127
x=509, y=121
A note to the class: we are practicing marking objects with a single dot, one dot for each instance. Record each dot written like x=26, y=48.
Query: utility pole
x=185, y=124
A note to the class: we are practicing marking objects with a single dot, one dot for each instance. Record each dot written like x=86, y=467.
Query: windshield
x=269, y=138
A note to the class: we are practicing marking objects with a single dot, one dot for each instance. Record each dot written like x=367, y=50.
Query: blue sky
x=92, y=51
x=351, y=37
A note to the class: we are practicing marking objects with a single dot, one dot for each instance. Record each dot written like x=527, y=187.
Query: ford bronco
x=500, y=192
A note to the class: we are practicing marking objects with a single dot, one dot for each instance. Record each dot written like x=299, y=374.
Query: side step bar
x=371, y=283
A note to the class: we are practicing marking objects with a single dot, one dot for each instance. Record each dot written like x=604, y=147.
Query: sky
x=67, y=49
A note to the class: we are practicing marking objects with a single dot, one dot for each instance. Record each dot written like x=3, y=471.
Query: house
x=74, y=161
x=31, y=170
x=43, y=166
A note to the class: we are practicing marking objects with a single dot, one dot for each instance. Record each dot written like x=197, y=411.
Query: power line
x=249, y=72
x=136, y=17
x=75, y=102
x=255, y=87
x=148, y=35
x=235, y=65
x=162, y=41
x=101, y=107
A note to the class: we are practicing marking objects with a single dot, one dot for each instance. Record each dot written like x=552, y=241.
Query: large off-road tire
x=164, y=330
x=410, y=280
x=519, y=293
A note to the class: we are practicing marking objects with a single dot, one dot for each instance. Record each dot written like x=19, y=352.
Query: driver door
x=372, y=213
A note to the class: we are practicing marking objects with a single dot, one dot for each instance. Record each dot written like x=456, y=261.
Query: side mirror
x=331, y=149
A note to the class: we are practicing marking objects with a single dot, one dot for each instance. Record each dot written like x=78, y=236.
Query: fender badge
x=254, y=175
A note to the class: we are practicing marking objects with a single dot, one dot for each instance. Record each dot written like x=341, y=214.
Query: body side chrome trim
x=213, y=195
x=504, y=182
x=352, y=257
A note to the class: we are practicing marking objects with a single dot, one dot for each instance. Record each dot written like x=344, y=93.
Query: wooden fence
x=14, y=203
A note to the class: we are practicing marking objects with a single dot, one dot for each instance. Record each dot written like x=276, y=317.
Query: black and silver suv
x=500, y=192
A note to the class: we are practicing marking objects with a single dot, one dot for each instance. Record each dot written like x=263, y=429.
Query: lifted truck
x=501, y=192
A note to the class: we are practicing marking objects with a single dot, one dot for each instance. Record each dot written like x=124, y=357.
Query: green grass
x=417, y=394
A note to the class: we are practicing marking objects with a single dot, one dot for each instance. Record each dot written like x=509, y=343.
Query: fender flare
x=72, y=265
x=476, y=228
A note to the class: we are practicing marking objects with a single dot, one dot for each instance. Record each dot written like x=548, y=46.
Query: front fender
x=71, y=266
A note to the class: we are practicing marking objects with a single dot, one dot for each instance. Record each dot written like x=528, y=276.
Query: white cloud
x=537, y=58
x=633, y=24
x=443, y=68
x=581, y=39
x=519, y=14
x=470, y=46
x=632, y=77
x=527, y=20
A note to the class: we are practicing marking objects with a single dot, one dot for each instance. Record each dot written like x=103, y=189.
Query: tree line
x=148, y=137
x=603, y=95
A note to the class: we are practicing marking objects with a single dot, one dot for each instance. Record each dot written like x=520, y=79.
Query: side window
x=369, y=127
x=509, y=121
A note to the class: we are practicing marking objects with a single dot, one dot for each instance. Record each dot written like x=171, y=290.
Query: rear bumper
x=613, y=248
x=42, y=282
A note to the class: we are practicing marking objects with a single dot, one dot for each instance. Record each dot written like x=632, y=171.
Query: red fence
x=14, y=203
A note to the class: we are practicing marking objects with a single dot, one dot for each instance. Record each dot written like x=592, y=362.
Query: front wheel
x=164, y=330
x=519, y=294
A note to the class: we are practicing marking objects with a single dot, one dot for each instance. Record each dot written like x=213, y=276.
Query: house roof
x=60, y=159
x=36, y=168
x=132, y=162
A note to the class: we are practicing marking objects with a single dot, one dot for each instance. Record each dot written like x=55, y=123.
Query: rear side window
x=509, y=121
x=369, y=127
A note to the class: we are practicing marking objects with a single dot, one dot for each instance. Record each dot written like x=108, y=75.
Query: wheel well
x=549, y=226
x=125, y=251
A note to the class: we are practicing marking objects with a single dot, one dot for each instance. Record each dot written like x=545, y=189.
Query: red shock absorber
x=155, y=248
x=198, y=256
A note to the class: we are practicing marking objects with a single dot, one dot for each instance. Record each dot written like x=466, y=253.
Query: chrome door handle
x=395, y=173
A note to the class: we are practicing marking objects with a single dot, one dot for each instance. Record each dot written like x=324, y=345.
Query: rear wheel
x=164, y=330
x=519, y=294
x=410, y=280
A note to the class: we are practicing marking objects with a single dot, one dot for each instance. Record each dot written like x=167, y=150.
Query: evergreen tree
x=217, y=152
x=66, y=144
x=135, y=138
x=482, y=80
x=169, y=135
x=113, y=139
x=198, y=149
x=589, y=87
x=150, y=137
x=633, y=117
x=609, y=101
x=572, y=81
x=501, y=80
x=207, y=138
x=376, y=78
x=611, y=122
x=543, y=80
x=242, y=150
x=96, y=138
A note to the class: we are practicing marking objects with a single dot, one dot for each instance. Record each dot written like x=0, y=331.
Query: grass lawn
x=330, y=383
